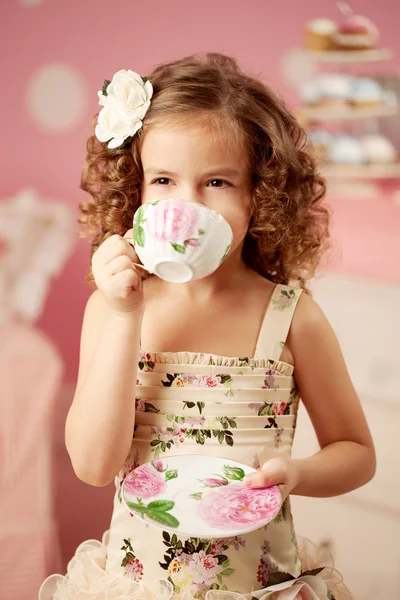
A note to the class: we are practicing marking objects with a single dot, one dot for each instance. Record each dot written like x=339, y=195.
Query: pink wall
x=99, y=38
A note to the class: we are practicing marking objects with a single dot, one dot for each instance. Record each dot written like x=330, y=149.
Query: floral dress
x=241, y=409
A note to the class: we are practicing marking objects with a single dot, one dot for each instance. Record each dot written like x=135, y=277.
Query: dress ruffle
x=213, y=360
x=87, y=579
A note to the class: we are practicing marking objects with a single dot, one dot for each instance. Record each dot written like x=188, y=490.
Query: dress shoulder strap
x=278, y=318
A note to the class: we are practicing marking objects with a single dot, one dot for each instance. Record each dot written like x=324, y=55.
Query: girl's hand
x=282, y=472
x=116, y=275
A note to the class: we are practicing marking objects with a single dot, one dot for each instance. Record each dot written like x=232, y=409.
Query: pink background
x=99, y=38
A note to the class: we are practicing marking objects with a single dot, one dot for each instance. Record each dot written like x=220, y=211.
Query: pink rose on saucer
x=158, y=465
x=214, y=482
x=144, y=482
x=236, y=506
x=174, y=221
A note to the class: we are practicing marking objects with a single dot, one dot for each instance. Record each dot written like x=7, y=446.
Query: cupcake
x=310, y=93
x=378, y=149
x=346, y=150
x=335, y=89
x=366, y=93
x=355, y=33
x=319, y=34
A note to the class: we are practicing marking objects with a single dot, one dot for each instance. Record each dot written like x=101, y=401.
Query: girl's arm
x=346, y=460
x=100, y=421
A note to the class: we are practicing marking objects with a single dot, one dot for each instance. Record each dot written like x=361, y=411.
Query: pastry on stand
x=351, y=33
x=379, y=149
x=354, y=32
x=319, y=34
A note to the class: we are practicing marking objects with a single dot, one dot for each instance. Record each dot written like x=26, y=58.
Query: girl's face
x=193, y=163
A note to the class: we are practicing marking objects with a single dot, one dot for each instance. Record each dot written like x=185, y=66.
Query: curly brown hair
x=288, y=229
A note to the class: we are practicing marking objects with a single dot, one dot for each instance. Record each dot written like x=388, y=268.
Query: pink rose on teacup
x=236, y=505
x=191, y=243
x=144, y=482
x=174, y=221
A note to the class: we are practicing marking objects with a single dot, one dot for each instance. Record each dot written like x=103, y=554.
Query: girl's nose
x=191, y=195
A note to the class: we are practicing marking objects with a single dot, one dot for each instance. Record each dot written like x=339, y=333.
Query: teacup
x=180, y=240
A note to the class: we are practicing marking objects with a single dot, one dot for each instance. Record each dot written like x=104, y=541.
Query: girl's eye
x=218, y=183
x=161, y=181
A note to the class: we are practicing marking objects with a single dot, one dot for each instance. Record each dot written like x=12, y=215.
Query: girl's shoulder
x=308, y=315
x=310, y=329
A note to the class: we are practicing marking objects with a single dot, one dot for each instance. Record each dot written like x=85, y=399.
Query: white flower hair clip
x=125, y=101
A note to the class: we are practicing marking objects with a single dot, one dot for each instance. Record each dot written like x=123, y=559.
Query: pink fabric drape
x=30, y=378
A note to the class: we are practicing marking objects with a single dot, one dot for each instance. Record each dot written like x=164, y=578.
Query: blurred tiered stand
x=351, y=113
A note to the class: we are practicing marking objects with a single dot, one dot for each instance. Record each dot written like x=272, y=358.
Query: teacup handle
x=138, y=265
x=143, y=268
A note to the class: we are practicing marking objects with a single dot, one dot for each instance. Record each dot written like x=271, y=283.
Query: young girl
x=201, y=130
